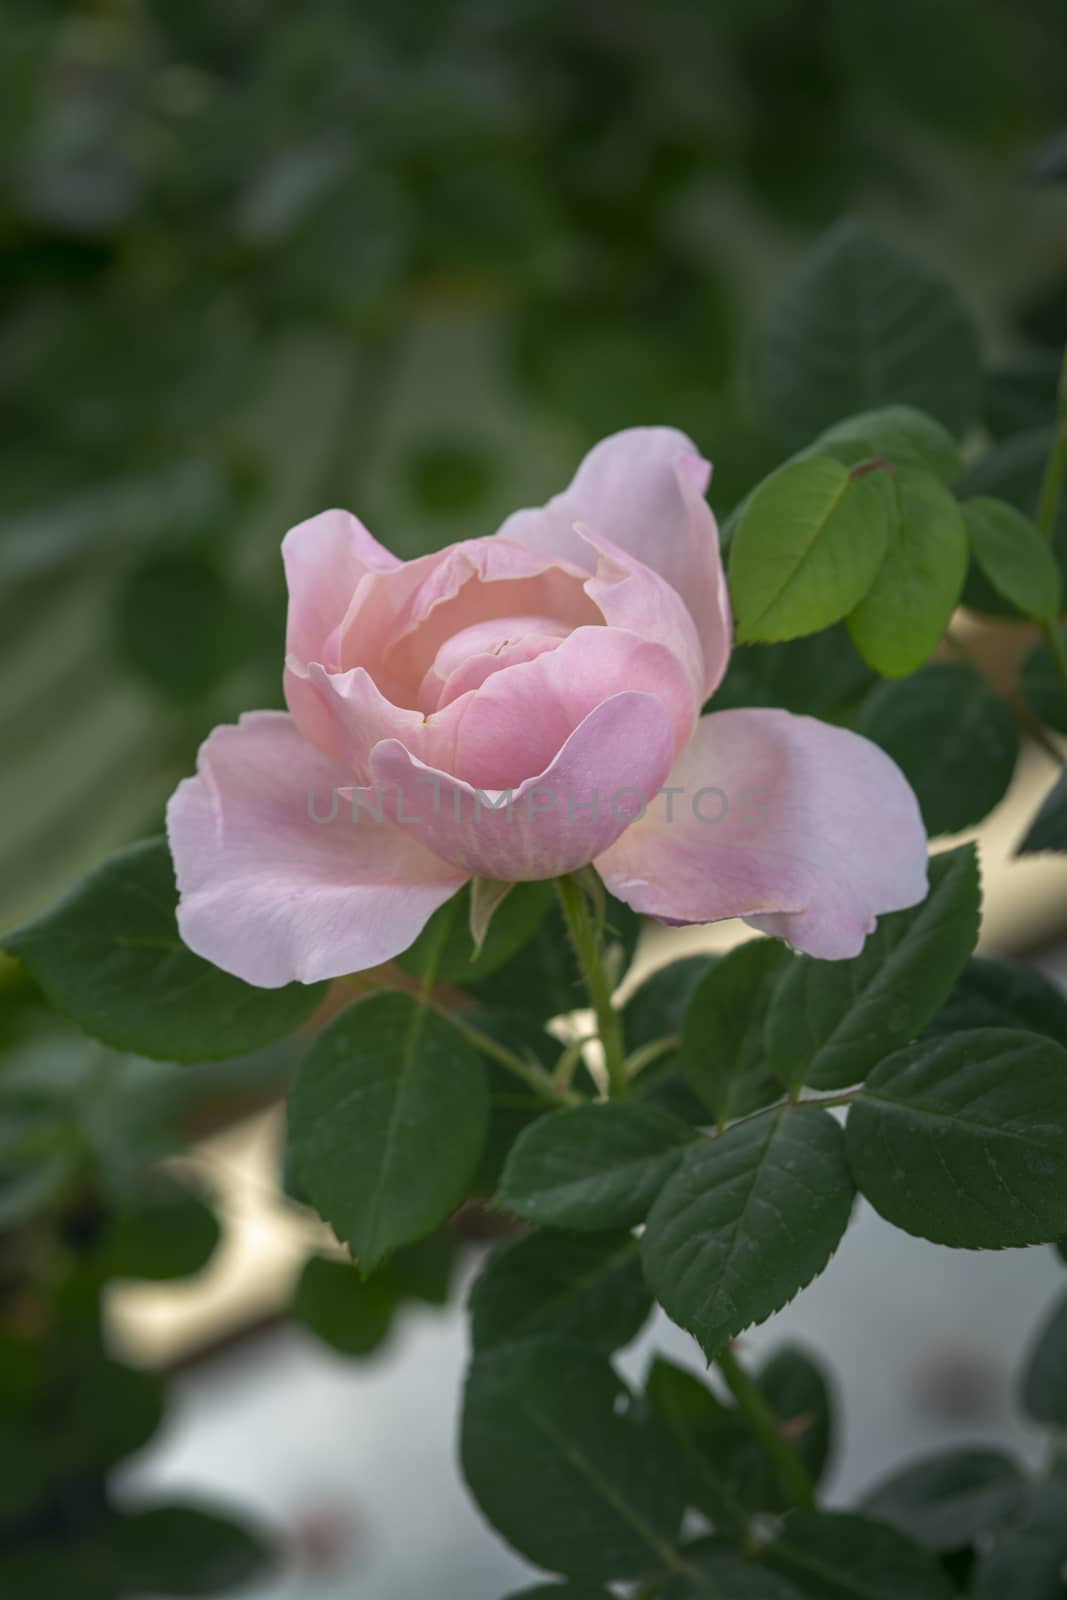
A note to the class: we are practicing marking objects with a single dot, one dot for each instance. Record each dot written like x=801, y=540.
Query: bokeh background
x=412, y=258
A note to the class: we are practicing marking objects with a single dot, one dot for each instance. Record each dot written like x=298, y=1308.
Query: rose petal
x=520, y=718
x=557, y=821
x=809, y=832
x=270, y=894
x=644, y=490
x=325, y=558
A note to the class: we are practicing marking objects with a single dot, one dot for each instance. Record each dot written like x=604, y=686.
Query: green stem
x=586, y=943
x=649, y=1054
x=792, y=1473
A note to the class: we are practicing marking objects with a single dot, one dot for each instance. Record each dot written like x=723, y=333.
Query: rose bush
x=517, y=707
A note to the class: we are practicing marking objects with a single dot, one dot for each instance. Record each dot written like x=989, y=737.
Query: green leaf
x=184, y=1550
x=583, y=1287
x=862, y=325
x=387, y=1121
x=350, y=1313
x=168, y=1232
x=819, y=676
x=1044, y=1382
x=653, y=1012
x=1048, y=830
x=1014, y=557
x=109, y=956
x=1012, y=471
x=807, y=548
x=747, y=1220
x=514, y=922
x=1025, y=1557
x=948, y=708
x=963, y=1140
x=563, y=1467
x=1003, y=994
x=708, y=1434
x=947, y=1501
x=908, y=607
x=799, y=1394
x=833, y=1555
x=901, y=435
x=716, y=1573
x=829, y=1021
x=722, y=1052
x=597, y=1166
x=1042, y=687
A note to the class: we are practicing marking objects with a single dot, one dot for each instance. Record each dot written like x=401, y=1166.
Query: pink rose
x=506, y=707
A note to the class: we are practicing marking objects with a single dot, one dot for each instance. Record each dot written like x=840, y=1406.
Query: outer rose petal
x=270, y=894
x=325, y=558
x=556, y=822
x=819, y=834
x=644, y=490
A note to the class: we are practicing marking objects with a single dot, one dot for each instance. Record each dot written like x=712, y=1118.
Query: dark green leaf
x=864, y=325
x=830, y=1021
x=708, y=1432
x=908, y=607
x=597, y=1166
x=717, y=1573
x=722, y=1051
x=1003, y=994
x=184, y=1550
x=799, y=1393
x=109, y=956
x=900, y=435
x=1048, y=830
x=1043, y=688
x=947, y=1501
x=446, y=943
x=1044, y=1383
x=424, y=1270
x=820, y=676
x=1025, y=1558
x=563, y=1468
x=832, y=1555
x=747, y=1220
x=1014, y=557
x=387, y=1121
x=807, y=547
x=583, y=1287
x=948, y=708
x=167, y=1233
x=347, y=1312
x=654, y=1012
x=963, y=1140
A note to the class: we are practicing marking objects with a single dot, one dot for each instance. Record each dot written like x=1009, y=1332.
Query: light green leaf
x=901, y=435
x=906, y=610
x=1014, y=557
x=109, y=956
x=563, y=1467
x=387, y=1121
x=963, y=1140
x=830, y=1021
x=747, y=1220
x=956, y=741
x=722, y=1053
x=587, y=1287
x=598, y=1166
x=862, y=325
x=807, y=548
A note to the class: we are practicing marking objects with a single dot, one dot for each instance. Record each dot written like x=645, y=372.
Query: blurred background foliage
x=256, y=259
